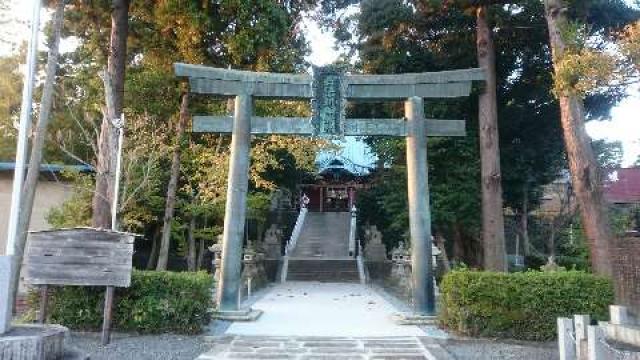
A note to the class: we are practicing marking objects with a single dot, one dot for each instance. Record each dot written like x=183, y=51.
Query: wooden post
x=108, y=312
x=44, y=300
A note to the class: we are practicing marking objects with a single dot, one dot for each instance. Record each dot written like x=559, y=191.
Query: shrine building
x=335, y=187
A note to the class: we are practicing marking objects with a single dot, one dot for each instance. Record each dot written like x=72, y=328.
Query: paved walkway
x=324, y=309
x=312, y=320
x=325, y=348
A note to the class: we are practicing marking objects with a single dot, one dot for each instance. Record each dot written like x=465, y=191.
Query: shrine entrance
x=329, y=89
x=335, y=188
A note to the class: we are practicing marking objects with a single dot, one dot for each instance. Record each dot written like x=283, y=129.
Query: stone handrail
x=355, y=247
x=362, y=270
x=352, y=232
x=297, y=229
x=293, y=240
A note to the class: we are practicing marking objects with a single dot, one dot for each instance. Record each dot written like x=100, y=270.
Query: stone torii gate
x=329, y=90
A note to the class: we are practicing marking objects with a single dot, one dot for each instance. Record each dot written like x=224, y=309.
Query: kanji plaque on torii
x=328, y=102
x=329, y=90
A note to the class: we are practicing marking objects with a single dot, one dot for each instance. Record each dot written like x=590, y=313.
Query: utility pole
x=118, y=124
x=7, y=262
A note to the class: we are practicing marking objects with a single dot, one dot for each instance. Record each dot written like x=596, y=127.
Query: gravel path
x=140, y=347
x=492, y=350
x=181, y=347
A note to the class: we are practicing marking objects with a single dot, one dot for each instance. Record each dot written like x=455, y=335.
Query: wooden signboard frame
x=79, y=257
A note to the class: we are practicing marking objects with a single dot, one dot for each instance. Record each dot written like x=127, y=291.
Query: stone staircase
x=323, y=270
x=322, y=251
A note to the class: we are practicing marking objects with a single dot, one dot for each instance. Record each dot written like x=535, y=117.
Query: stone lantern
x=253, y=271
x=249, y=256
x=435, y=252
x=216, y=249
x=401, y=267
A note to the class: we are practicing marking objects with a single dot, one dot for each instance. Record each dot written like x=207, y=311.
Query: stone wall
x=626, y=262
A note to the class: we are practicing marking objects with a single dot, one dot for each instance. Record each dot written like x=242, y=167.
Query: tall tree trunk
x=524, y=222
x=33, y=172
x=492, y=213
x=585, y=174
x=118, y=51
x=464, y=247
x=201, y=250
x=153, y=255
x=191, y=252
x=105, y=164
x=163, y=257
x=552, y=239
x=114, y=95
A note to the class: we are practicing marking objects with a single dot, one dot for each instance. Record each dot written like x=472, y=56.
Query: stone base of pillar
x=414, y=319
x=26, y=342
x=8, y=267
x=238, y=315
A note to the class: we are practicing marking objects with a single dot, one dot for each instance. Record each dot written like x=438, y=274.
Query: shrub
x=519, y=305
x=155, y=302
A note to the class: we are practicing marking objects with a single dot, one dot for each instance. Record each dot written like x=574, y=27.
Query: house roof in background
x=49, y=168
x=623, y=186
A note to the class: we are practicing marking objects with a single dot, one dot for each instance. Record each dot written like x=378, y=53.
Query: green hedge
x=155, y=302
x=519, y=305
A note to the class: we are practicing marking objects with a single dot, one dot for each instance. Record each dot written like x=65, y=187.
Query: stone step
x=626, y=334
x=338, y=270
x=324, y=235
x=324, y=263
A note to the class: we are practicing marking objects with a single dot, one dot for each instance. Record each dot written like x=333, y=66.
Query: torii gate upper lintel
x=328, y=89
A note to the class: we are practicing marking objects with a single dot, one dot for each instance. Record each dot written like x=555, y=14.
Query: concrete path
x=331, y=321
x=324, y=309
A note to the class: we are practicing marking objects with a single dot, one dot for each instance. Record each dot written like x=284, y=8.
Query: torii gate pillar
x=236, y=206
x=419, y=213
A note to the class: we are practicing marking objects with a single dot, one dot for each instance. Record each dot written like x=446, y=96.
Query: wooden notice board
x=79, y=257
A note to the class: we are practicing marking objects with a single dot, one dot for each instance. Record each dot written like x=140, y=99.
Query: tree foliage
x=259, y=35
x=388, y=36
x=10, y=90
x=393, y=36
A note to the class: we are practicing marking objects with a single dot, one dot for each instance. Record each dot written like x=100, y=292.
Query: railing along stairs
x=355, y=246
x=293, y=240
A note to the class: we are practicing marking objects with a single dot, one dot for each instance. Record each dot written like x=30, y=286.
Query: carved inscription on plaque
x=328, y=101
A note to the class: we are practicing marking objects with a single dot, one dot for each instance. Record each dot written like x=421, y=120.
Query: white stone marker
x=596, y=339
x=566, y=345
x=581, y=323
x=619, y=315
